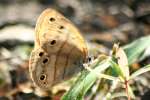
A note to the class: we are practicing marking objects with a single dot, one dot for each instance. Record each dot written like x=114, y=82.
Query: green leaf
x=135, y=49
x=140, y=71
x=117, y=69
x=123, y=62
x=86, y=80
x=107, y=77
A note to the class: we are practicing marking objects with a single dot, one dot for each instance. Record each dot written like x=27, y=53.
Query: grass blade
x=140, y=71
x=85, y=81
x=135, y=49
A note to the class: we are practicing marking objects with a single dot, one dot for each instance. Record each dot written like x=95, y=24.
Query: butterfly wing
x=59, y=50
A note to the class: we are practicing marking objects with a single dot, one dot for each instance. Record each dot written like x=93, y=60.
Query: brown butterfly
x=59, y=50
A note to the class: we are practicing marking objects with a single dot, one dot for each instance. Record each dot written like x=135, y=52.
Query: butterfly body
x=59, y=50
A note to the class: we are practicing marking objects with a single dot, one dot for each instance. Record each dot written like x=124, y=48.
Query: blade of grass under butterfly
x=85, y=81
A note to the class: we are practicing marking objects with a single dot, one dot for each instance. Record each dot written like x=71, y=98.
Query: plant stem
x=127, y=90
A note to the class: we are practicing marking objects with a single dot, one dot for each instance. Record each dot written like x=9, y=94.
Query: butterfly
x=59, y=50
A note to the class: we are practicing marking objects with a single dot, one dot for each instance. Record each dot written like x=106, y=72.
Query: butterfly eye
x=53, y=42
x=52, y=19
x=41, y=54
x=45, y=60
x=42, y=77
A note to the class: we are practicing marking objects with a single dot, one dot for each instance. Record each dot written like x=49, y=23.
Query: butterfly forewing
x=59, y=50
